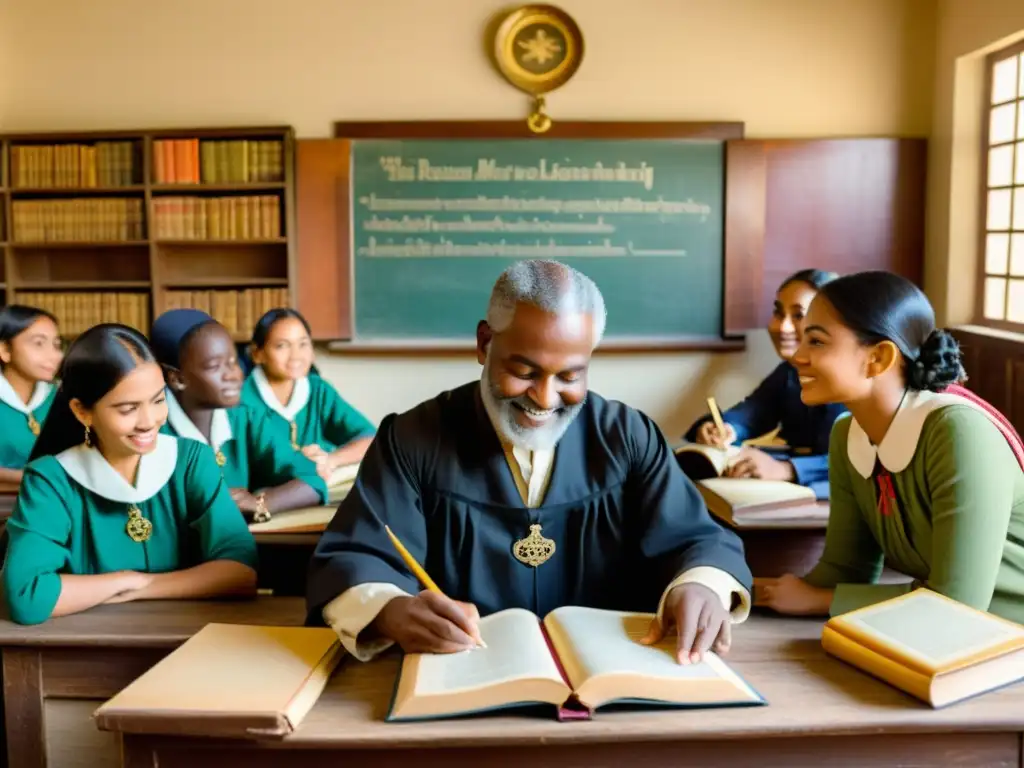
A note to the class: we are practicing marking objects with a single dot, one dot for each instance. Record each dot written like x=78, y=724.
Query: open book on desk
x=577, y=660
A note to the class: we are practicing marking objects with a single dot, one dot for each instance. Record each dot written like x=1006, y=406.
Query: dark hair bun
x=938, y=365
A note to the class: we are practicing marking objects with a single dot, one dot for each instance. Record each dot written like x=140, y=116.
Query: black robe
x=625, y=519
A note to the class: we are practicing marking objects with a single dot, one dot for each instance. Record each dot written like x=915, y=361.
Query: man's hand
x=429, y=623
x=792, y=595
x=708, y=434
x=753, y=462
x=699, y=619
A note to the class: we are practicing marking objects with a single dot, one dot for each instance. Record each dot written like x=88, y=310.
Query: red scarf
x=886, y=489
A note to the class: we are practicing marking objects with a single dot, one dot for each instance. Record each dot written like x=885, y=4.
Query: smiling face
x=833, y=364
x=35, y=353
x=534, y=381
x=210, y=376
x=790, y=310
x=126, y=420
x=288, y=351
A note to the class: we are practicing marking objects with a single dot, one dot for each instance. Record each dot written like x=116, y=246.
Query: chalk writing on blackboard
x=435, y=221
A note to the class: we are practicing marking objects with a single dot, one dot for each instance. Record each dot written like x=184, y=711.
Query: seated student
x=205, y=383
x=110, y=510
x=776, y=403
x=924, y=474
x=303, y=410
x=526, y=459
x=30, y=354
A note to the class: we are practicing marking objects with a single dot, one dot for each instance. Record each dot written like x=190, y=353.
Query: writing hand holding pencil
x=430, y=622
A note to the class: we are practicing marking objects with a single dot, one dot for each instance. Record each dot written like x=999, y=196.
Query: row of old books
x=252, y=217
x=80, y=311
x=238, y=311
x=77, y=220
x=189, y=161
x=61, y=166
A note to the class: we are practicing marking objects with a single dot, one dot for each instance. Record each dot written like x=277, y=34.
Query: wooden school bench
x=820, y=712
x=57, y=673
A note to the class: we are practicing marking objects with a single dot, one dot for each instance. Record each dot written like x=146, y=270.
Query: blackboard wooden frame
x=741, y=278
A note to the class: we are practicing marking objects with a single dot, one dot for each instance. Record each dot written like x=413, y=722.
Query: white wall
x=784, y=67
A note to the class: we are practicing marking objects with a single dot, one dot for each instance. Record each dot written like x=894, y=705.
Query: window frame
x=1017, y=49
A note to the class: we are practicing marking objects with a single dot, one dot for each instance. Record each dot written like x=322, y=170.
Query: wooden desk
x=775, y=547
x=66, y=667
x=820, y=712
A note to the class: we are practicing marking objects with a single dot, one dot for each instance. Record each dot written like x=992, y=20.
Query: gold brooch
x=33, y=425
x=138, y=528
x=534, y=549
x=220, y=457
x=295, y=436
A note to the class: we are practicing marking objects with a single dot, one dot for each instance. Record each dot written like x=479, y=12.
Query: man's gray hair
x=550, y=286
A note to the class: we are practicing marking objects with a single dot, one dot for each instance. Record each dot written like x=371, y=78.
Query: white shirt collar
x=10, y=397
x=298, y=400
x=220, y=427
x=899, y=445
x=88, y=468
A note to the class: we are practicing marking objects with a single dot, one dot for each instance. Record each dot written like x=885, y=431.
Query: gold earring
x=88, y=436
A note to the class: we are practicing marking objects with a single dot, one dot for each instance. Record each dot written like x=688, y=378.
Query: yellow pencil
x=416, y=568
x=419, y=573
x=717, y=416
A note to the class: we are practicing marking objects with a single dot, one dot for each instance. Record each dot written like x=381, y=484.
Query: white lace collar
x=88, y=468
x=220, y=426
x=298, y=400
x=10, y=397
x=899, y=445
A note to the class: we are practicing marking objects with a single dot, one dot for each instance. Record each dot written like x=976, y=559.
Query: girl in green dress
x=303, y=409
x=204, y=380
x=109, y=509
x=924, y=475
x=30, y=354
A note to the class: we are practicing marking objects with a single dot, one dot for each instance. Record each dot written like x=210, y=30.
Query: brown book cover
x=229, y=681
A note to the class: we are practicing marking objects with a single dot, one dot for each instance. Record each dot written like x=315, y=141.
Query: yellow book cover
x=934, y=648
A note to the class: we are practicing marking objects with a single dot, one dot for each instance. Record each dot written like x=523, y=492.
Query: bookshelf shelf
x=225, y=243
x=148, y=184
x=82, y=285
x=229, y=282
x=34, y=192
x=269, y=186
x=55, y=244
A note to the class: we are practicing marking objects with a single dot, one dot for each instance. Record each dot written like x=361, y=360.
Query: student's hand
x=314, y=452
x=429, y=623
x=753, y=462
x=245, y=501
x=708, y=434
x=132, y=585
x=792, y=595
x=700, y=620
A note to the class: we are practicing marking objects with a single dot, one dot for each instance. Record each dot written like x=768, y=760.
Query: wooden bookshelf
x=159, y=218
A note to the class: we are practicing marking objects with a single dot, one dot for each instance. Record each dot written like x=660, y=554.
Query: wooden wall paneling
x=323, y=266
x=745, y=189
x=847, y=205
x=994, y=361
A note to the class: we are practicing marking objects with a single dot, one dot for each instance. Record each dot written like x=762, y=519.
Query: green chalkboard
x=434, y=222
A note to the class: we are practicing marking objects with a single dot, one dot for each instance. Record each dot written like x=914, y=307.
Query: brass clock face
x=538, y=48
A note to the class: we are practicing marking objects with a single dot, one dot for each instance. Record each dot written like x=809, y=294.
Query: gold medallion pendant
x=33, y=425
x=220, y=457
x=138, y=528
x=534, y=549
x=295, y=436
